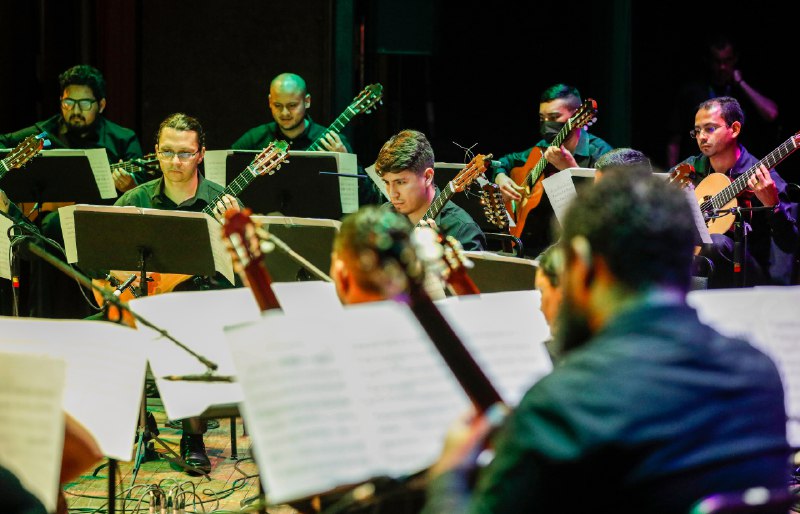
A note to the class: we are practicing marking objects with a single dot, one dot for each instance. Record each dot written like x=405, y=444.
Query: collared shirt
x=120, y=143
x=259, y=137
x=151, y=195
x=587, y=151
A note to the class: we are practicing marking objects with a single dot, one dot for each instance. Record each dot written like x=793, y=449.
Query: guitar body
x=531, y=196
x=706, y=189
x=160, y=283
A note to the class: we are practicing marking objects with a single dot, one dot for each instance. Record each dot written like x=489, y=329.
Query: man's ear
x=340, y=275
x=307, y=101
x=202, y=155
x=582, y=250
x=428, y=174
x=736, y=127
x=101, y=105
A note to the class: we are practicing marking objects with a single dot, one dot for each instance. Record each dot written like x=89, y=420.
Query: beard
x=76, y=125
x=571, y=329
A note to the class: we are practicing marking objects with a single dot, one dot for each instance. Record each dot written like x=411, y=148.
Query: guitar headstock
x=494, y=207
x=247, y=249
x=269, y=160
x=367, y=98
x=475, y=168
x=585, y=116
x=26, y=150
x=682, y=175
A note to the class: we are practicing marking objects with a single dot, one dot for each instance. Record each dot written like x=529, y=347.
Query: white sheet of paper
x=101, y=169
x=348, y=187
x=223, y=262
x=5, y=246
x=560, y=188
x=196, y=319
x=311, y=296
x=699, y=222
x=513, y=355
x=215, y=166
x=370, y=170
x=32, y=422
x=105, y=373
x=342, y=399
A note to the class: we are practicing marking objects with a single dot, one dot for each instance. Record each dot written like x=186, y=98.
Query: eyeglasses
x=695, y=133
x=182, y=156
x=84, y=103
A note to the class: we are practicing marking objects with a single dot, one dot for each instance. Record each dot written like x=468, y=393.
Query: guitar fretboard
x=336, y=127
x=438, y=203
x=234, y=188
x=537, y=170
x=740, y=183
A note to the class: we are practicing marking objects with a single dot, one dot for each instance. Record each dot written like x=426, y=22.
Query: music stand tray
x=81, y=176
x=308, y=185
x=311, y=238
x=153, y=240
x=494, y=273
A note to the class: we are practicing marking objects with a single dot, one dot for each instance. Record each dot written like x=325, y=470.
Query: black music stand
x=307, y=186
x=493, y=273
x=311, y=238
x=59, y=176
x=154, y=242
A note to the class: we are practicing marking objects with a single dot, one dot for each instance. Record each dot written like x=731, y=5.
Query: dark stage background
x=463, y=72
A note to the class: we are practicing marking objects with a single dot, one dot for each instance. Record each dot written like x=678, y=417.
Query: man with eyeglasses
x=81, y=124
x=772, y=235
x=580, y=149
x=180, y=148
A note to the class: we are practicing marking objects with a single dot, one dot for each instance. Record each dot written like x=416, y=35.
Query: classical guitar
x=400, y=272
x=26, y=150
x=364, y=102
x=245, y=248
x=457, y=265
x=475, y=168
x=266, y=162
x=530, y=175
x=717, y=192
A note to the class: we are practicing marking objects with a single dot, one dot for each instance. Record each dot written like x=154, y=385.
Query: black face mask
x=550, y=129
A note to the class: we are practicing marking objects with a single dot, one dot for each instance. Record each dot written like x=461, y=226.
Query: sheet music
x=101, y=169
x=767, y=317
x=377, y=180
x=560, y=188
x=344, y=398
x=348, y=187
x=32, y=422
x=701, y=230
x=307, y=296
x=223, y=262
x=196, y=319
x=104, y=373
x=513, y=355
x=215, y=166
x=5, y=247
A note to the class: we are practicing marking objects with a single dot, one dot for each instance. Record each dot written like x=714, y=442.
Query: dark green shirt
x=119, y=142
x=455, y=221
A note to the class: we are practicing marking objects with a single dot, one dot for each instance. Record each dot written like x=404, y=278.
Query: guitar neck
x=4, y=168
x=261, y=285
x=740, y=183
x=439, y=202
x=537, y=170
x=471, y=377
x=335, y=127
x=234, y=188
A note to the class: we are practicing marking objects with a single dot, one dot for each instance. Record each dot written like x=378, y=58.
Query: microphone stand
x=740, y=240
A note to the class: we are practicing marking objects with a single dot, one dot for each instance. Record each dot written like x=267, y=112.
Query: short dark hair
x=406, y=150
x=551, y=263
x=626, y=159
x=370, y=229
x=557, y=91
x=84, y=75
x=641, y=226
x=183, y=122
x=728, y=106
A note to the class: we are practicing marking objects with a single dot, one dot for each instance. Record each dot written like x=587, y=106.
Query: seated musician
x=180, y=150
x=580, y=149
x=405, y=163
x=773, y=234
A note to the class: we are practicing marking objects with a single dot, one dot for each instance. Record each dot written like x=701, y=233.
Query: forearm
x=766, y=108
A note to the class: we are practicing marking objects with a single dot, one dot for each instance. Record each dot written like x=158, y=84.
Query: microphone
x=205, y=377
x=125, y=285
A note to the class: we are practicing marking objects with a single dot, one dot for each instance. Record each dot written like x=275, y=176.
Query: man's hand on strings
x=227, y=202
x=508, y=188
x=764, y=187
x=560, y=157
x=333, y=143
x=123, y=180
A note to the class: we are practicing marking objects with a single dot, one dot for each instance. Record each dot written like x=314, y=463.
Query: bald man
x=288, y=101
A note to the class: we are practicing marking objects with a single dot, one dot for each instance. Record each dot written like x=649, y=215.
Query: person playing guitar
x=772, y=236
x=557, y=105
